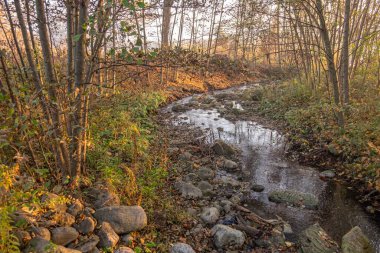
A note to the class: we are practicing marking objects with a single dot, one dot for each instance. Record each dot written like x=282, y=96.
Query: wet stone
x=257, y=188
x=294, y=198
x=315, y=240
x=356, y=241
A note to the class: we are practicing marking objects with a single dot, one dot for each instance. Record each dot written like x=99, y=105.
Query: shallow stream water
x=265, y=163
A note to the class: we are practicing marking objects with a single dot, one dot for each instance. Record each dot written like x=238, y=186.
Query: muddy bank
x=258, y=176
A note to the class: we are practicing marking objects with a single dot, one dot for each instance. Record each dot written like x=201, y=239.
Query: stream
x=264, y=162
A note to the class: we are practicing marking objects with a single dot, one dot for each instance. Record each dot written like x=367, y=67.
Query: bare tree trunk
x=166, y=23
x=13, y=30
x=330, y=61
x=345, y=53
x=80, y=47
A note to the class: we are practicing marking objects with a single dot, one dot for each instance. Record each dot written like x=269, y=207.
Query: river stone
x=191, y=177
x=64, y=219
x=229, y=181
x=257, y=188
x=327, y=174
x=226, y=205
x=223, y=149
x=86, y=226
x=294, y=198
x=206, y=173
x=42, y=232
x=40, y=245
x=64, y=235
x=185, y=156
x=188, y=190
x=181, y=248
x=88, y=245
x=210, y=215
x=123, y=219
x=179, y=108
x=230, y=165
x=123, y=249
x=205, y=187
x=225, y=236
x=355, y=241
x=315, y=240
x=75, y=208
x=107, y=236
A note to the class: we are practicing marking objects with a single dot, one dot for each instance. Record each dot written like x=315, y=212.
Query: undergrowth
x=310, y=119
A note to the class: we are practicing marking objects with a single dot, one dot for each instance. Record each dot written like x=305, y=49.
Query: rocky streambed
x=244, y=194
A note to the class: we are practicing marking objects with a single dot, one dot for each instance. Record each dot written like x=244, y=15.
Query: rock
x=123, y=219
x=191, y=211
x=40, y=245
x=103, y=197
x=124, y=250
x=86, y=226
x=226, y=205
x=294, y=198
x=315, y=240
x=127, y=239
x=53, y=202
x=191, y=177
x=205, y=187
x=107, y=236
x=179, y=108
x=229, y=181
x=63, y=219
x=235, y=199
x=42, y=232
x=355, y=241
x=327, y=174
x=188, y=190
x=88, y=245
x=23, y=237
x=257, y=188
x=210, y=215
x=64, y=235
x=185, y=156
x=230, y=165
x=223, y=149
x=181, y=248
x=206, y=173
x=75, y=208
x=226, y=237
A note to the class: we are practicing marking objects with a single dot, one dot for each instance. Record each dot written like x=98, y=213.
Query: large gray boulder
x=355, y=241
x=294, y=198
x=226, y=237
x=64, y=235
x=123, y=219
x=181, y=248
x=315, y=240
